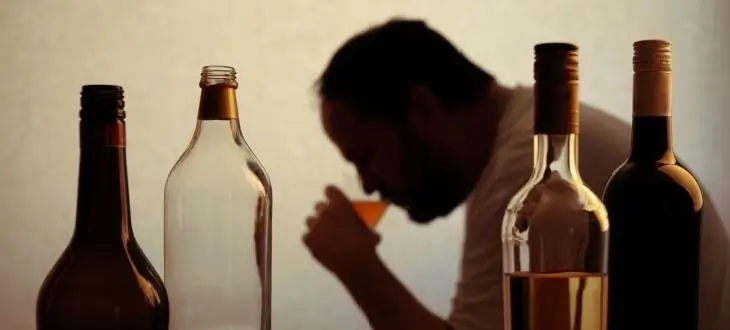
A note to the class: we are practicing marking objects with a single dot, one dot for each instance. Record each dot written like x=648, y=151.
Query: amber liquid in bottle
x=102, y=280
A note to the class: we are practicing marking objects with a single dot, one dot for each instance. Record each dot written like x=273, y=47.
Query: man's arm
x=386, y=302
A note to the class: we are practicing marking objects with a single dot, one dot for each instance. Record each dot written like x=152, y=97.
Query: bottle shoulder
x=102, y=281
x=553, y=197
x=219, y=168
x=102, y=266
x=653, y=180
x=559, y=189
x=638, y=172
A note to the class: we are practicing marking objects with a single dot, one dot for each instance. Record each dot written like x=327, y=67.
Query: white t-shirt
x=604, y=145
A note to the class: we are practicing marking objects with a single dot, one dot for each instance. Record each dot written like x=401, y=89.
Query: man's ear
x=425, y=110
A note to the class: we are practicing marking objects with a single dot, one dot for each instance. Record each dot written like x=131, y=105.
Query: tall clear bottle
x=655, y=205
x=218, y=220
x=102, y=280
x=555, y=229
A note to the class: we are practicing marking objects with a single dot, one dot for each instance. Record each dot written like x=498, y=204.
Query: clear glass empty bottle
x=218, y=220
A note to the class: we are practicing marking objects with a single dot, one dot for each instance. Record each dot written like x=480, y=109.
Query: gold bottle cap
x=652, y=56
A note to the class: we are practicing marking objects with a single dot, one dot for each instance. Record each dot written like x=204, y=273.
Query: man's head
x=395, y=100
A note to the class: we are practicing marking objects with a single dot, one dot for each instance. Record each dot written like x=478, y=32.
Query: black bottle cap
x=102, y=102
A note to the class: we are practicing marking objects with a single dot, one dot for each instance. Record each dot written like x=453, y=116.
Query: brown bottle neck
x=651, y=138
x=218, y=102
x=102, y=206
x=652, y=94
x=557, y=108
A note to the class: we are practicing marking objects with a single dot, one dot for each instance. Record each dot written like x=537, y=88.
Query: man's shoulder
x=510, y=166
x=605, y=142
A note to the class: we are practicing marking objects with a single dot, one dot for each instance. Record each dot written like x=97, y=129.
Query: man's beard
x=439, y=200
x=435, y=188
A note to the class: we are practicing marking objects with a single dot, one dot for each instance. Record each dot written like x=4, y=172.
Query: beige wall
x=48, y=49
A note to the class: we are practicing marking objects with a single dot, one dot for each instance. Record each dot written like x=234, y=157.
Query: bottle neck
x=102, y=206
x=218, y=102
x=556, y=154
x=218, y=115
x=651, y=139
x=651, y=136
x=557, y=123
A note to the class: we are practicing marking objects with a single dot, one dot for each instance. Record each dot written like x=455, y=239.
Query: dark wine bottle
x=102, y=280
x=655, y=205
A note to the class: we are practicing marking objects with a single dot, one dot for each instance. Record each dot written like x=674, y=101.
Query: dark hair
x=375, y=70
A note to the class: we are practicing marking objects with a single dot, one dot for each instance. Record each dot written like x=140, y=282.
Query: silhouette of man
x=429, y=130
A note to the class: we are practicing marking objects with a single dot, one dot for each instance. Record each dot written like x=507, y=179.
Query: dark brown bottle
x=103, y=280
x=655, y=204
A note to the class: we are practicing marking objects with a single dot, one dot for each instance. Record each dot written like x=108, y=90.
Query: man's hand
x=337, y=236
x=340, y=240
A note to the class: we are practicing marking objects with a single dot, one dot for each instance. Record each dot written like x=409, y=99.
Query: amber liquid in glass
x=370, y=211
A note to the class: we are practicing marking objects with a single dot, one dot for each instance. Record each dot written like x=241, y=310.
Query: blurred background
x=155, y=49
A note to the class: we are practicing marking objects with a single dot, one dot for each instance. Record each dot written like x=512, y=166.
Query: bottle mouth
x=654, y=55
x=556, y=62
x=102, y=89
x=218, y=74
x=102, y=102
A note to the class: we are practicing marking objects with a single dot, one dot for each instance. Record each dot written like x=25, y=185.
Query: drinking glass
x=370, y=208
